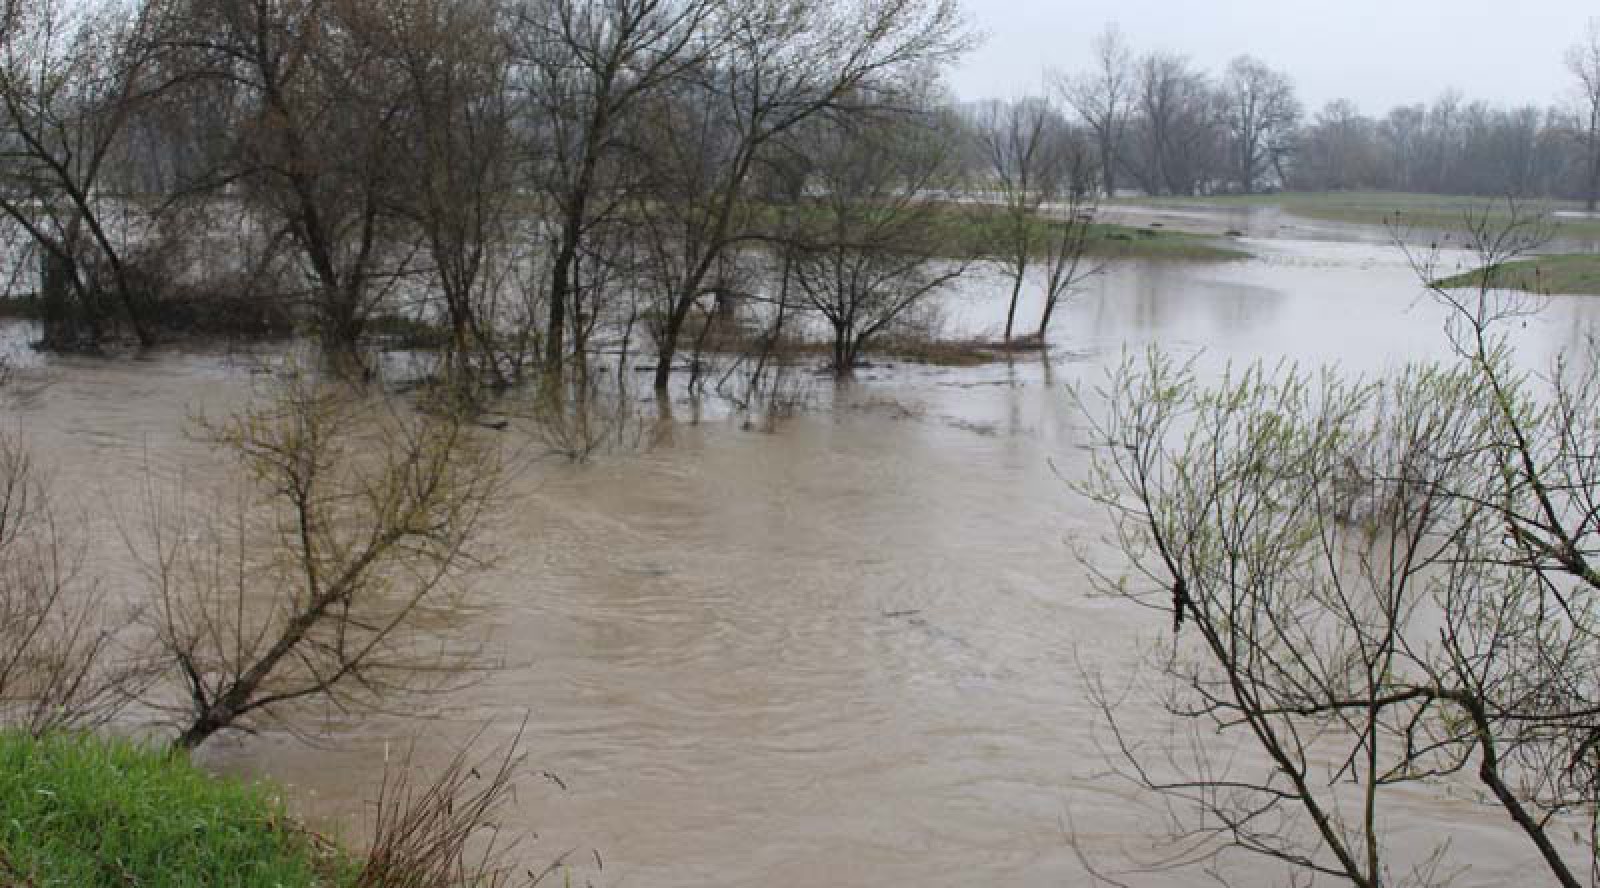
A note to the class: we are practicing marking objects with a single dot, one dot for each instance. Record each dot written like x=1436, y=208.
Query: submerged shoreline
x=707, y=628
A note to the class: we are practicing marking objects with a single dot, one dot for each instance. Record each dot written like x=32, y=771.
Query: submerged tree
x=781, y=64
x=355, y=518
x=864, y=254
x=71, y=79
x=1023, y=149
x=587, y=69
x=316, y=101
x=1042, y=178
x=1065, y=259
x=459, y=135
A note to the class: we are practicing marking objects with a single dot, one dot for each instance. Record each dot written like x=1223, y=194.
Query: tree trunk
x=844, y=356
x=1108, y=165
x=341, y=331
x=199, y=731
x=667, y=349
x=1592, y=193
x=69, y=322
x=1044, y=319
x=560, y=285
x=1011, y=310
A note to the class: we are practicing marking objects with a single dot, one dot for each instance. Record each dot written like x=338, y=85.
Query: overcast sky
x=1379, y=53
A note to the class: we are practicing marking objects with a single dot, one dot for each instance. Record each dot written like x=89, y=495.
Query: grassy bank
x=1127, y=242
x=980, y=231
x=1576, y=274
x=1425, y=211
x=90, y=812
x=977, y=231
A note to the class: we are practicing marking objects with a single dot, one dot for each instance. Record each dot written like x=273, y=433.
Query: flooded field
x=849, y=652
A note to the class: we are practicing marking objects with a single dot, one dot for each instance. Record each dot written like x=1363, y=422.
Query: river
x=849, y=651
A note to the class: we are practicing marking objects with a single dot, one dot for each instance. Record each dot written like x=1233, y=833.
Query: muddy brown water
x=848, y=652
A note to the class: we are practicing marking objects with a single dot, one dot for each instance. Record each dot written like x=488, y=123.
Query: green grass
x=963, y=230
x=1127, y=242
x=976, y=231
x=87, y=812
x=1424, y=211
x=1577, y=274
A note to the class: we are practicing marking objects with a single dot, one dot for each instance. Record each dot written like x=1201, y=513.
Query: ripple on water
x=845, y=653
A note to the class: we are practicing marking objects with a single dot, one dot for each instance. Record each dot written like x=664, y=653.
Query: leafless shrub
x=354, y=519
x=442, y=834
x=446, y=833
x=587, y=415
x=58, y=666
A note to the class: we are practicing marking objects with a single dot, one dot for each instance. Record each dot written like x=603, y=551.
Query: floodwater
x=847, y=652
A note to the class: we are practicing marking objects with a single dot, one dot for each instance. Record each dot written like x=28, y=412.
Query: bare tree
x=1042, y=175
x=1066, y=243
x=71, y=78
x=1174, y=131
x=1104, y=98
x=1261, y=114
x=588, y=67
x=353, y=521
x=865, y=257
x=454, y=58
x=1375, y=583
x=759, y=380
x=782, y=63
x=1337, y=151
x=1021, y=143
x=1453, y=147
x=1583, y=60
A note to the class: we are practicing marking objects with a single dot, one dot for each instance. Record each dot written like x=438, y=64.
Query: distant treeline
x=1163, y=126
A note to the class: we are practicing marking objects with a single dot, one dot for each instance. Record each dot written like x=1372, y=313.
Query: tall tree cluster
x=1166, y=127
x=518, y=173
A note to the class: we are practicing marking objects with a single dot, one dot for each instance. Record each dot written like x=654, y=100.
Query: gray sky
x=1379, y=53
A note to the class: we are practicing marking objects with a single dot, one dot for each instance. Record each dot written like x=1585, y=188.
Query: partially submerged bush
x=356, y=517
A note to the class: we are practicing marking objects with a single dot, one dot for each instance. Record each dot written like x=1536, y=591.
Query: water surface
x=847, y=652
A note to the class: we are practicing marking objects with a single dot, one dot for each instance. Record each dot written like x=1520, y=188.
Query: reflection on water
x=846, y=653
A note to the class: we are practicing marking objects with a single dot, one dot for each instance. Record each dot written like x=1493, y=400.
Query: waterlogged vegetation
x=1402, y=210
x=981, y=231
x=488, y=218
x=1573, y=274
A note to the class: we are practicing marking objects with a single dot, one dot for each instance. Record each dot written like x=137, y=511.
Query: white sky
x=1379, y=53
